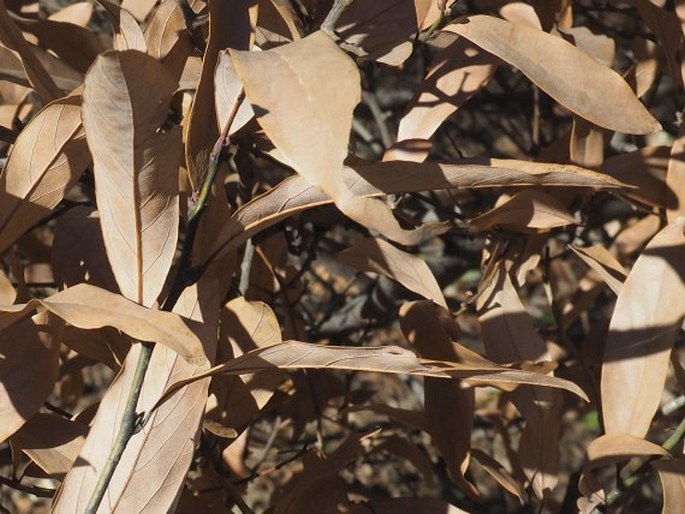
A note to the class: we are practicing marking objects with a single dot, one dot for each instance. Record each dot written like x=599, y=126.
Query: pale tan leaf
x=619, y=447
x=296, y=194
x=78, y=13
x=88, y=307
x=521, y=14
x=646, y=170
x=127, y=33
x=319, y=86
x=498, y=472
x=46, y=160
x=228, y=90
x=12, y=38
x=603, y=262
x=449, y=407
x=166, y=28
x=530, y=209
x=138, y=8
x=675, y=177
x=646, y=319
x=509, y=335
x=566, y=73
x=457, y=72
x=672, y=476
x=29, y=360
x=149, y=477
x=125, y=102
x=378, y=256
x=305, y=111
x=52, y=442
x=230, y=26
x=237, y=400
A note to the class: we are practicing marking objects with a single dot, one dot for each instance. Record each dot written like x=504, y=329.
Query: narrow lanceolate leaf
x=378, y=256
x=46, y=160
x=569, y=75
x=644, y=325
x=675, y=176
x=125, y=104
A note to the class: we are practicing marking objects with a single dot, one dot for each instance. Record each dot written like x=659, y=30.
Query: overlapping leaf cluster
x=196, y=210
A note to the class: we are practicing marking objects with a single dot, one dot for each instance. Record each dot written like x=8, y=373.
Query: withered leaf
x=644, y=325
x=564, y=72
x=378, y=256
x=46, y=160
x=125, y=104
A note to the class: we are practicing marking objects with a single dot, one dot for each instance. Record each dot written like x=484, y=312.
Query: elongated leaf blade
x=564, y=72
x=647, y=316
x=45, y=162
x=125, y=103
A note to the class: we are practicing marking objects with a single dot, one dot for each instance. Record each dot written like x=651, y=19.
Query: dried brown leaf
x=672, y=476
x=125, y=103
x=150, y=476
x=378, y=256
x=319, y=86
x=12, y=38
x=127, y=33
x=230, y=26
x=46, y=160
x=29, y=360
x=603, y=262
x=528, y=210
x=563, y=71
x=52, y=442
x=643, y=328
x=89, y=307
x=675, y=177
x=457, y=72
x=228, y=90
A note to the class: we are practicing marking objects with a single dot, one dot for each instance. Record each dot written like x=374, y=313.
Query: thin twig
x=328, y=25
x=13, y=483
x=131, y=421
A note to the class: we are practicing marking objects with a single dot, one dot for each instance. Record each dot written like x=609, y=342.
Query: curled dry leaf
x=528, y=210
x=646, y=319
x=125, y=103
x=564, y=72
x=230, y=26
x=89, y=307
x=46, y=160
x=312, y=108
x=607, y=450
x=672, y=476
x=378, y=256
